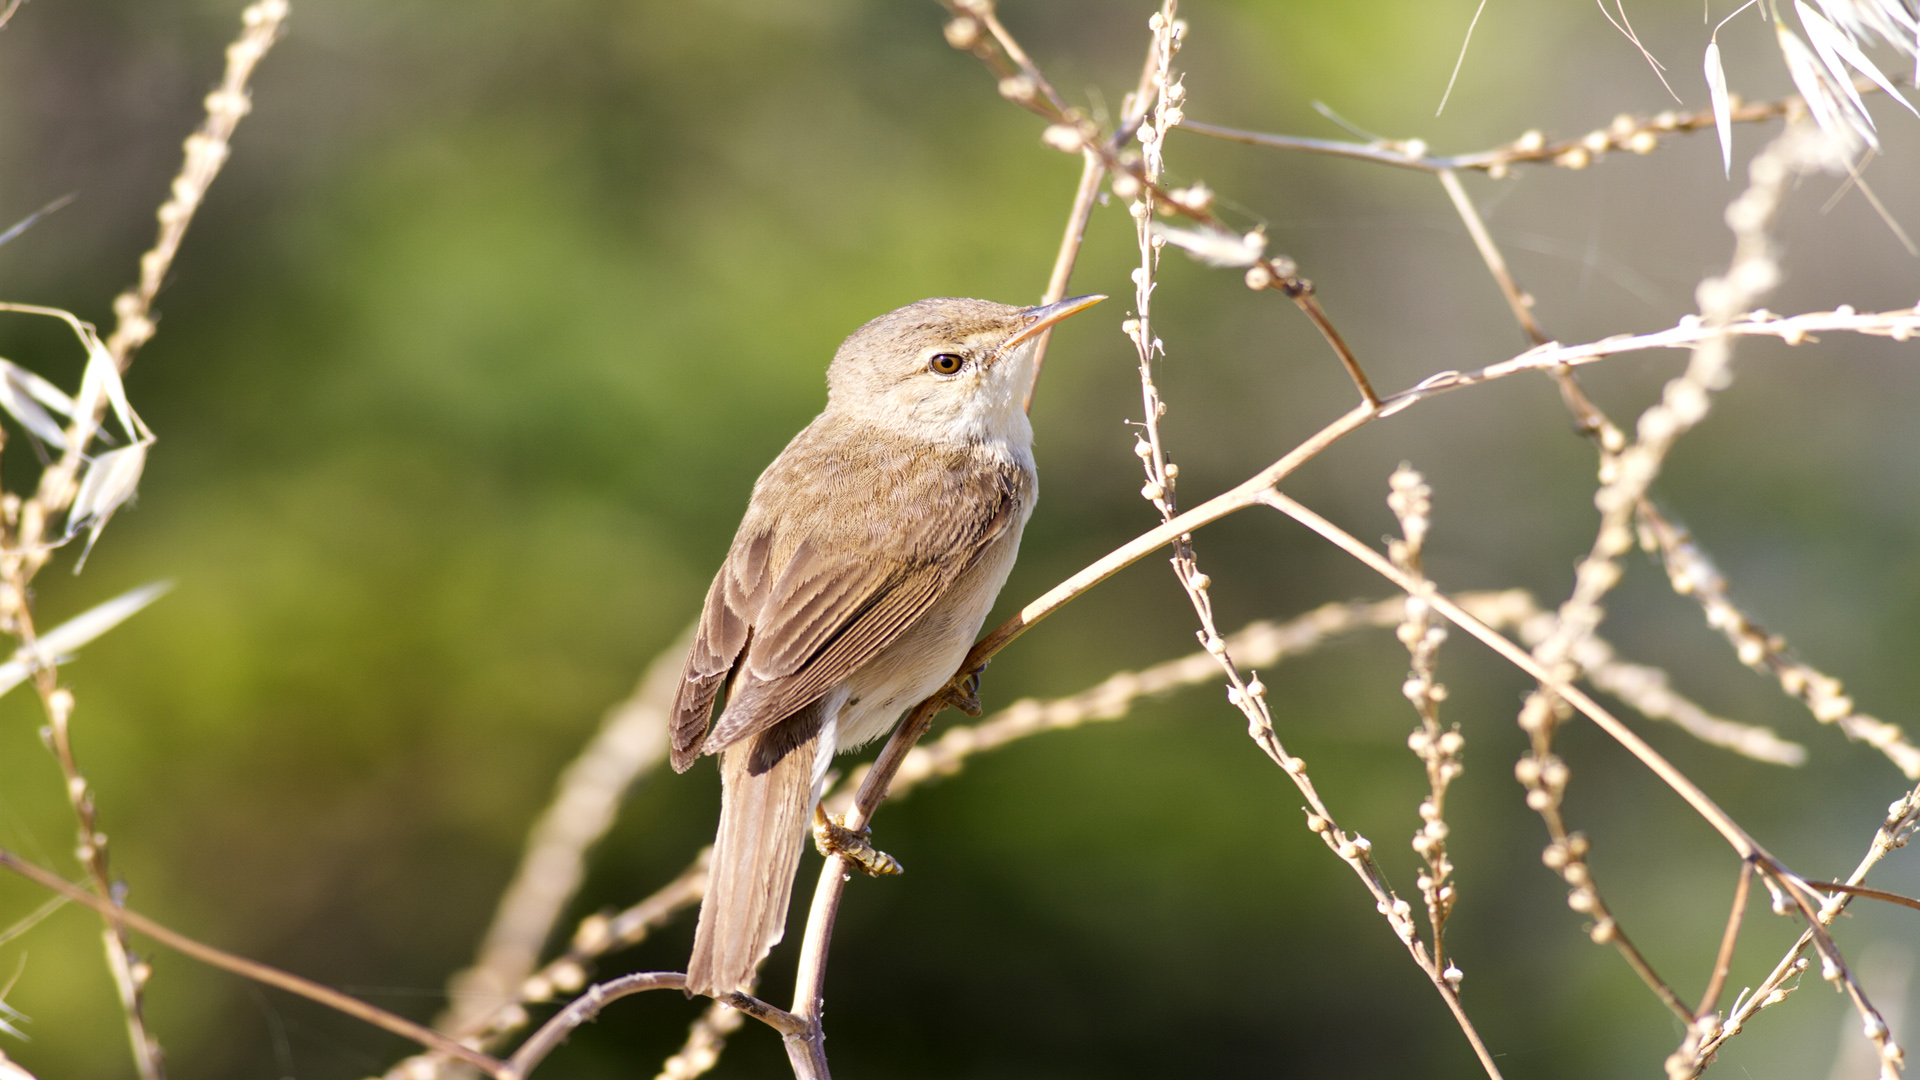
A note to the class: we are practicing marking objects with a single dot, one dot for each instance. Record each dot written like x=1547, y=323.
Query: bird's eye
x=946, y=363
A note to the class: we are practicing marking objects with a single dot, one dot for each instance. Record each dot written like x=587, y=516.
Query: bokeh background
x=469, y=362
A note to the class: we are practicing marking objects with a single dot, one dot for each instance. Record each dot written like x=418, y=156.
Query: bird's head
x=945, y=369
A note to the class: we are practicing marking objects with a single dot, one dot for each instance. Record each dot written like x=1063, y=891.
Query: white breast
x=926, y=655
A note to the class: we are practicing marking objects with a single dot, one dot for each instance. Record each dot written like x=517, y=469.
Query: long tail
x=765, y=802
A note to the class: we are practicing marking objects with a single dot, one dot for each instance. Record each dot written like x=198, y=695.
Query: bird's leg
x=964, y=693
x=832, y=838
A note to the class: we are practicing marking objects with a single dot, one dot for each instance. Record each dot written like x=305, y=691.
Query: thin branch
x=1693, y=574
x=1637, y=134
x=1519, y=302
x=1736, y=837
x=588, y=1006
x=596, y=936
x=1723, y=961
x=1800, y=893
x=1690, y=332
x=1903, y=818
x=253, y=969
x=1132, y=111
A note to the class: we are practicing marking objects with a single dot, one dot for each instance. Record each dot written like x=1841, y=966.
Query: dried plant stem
x=1896, y=829
x=1636, y=134
x=1794, y=890
x=1688, y=571
x=25, y=550
x=1689, y=333
x=206, y=152
x=252, y=969
x=1517, y=301
x=1132, y=111
x=1438, y=748
x=1692, y=573
x=1259, y=644
x=588, y=1006
x=596, y=936
x=1723, y=961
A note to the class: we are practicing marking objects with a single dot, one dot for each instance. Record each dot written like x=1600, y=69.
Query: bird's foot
x=832, y=837
x=964, y=695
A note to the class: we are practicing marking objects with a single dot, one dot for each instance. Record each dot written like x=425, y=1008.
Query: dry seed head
x=1065, y=138
x=1259, y=277
x=568, y=976
x=1454, y=976
x=1019, y=88
x=1531, y=142
x=963, y=32
x=594, y=935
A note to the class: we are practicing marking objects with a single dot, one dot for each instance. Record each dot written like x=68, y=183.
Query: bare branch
x=118, y=917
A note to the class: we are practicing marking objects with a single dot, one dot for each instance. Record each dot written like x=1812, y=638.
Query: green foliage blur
x=466, y=368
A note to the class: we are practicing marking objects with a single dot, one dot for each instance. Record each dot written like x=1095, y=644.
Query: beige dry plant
x=1562, y=646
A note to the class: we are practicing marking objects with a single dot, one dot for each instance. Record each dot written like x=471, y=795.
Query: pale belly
x=926, y=655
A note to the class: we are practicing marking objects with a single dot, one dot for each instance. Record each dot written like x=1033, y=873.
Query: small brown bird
x=870, y=552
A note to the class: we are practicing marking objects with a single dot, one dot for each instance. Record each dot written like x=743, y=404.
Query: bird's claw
x=832, y=837
x=964, y=695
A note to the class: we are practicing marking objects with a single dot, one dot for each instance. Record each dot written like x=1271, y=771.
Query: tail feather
x=765, y=802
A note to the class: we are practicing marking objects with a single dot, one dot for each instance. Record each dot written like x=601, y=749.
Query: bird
x=870, y=552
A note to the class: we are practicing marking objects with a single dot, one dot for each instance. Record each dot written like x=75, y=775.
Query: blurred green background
x=469, y=361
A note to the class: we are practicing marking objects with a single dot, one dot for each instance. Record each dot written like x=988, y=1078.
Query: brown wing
x=805, y=599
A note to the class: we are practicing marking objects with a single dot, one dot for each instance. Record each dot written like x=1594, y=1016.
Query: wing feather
x=828, y=569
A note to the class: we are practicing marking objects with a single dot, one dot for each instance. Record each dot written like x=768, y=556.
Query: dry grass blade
x=59, y=644
x=1716, y=72
x=111, y=480
x=27, y=397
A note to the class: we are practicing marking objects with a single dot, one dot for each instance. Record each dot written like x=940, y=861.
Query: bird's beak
x=1035, y=319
